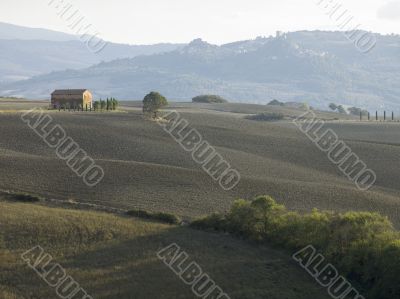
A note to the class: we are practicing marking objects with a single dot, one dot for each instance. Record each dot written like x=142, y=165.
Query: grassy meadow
x=115, y=257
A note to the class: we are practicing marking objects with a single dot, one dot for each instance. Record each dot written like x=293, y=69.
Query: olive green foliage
x=341, y=109
x=102, y=104
x=276, y=103
x=108, y=104
x=159, y=216
x=333, y=106
x=209, y=99
x=111, y=104
x=153, y=102
x=266, y=116
x=352, y=110
x=24, y=197
x=337, y=108
x=114, y=104
x=363, y=246
x=357, y=111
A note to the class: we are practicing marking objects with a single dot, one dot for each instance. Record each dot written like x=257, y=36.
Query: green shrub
x=214, y=222
x=209, y=99
x=23, y=197
x=357, y=111
x=159, y=216
x=266, y=116
x=276, y=103
x=363, y=246
x=167, y=218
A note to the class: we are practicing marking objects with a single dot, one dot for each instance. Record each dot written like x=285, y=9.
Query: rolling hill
x=11, y=31
x=146, y=169
x=315, y=67
x=87, y=230
x=56, y=51
x=116, y=257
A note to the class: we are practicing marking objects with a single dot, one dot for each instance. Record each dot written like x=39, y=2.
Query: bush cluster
x=24, y=197
x=357, y=111
x=276, y=103
x=363, y=246
x=209, y=98
x=159, y=216
x=266, y=116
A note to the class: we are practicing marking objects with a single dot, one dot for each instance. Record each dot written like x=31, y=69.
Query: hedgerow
x=364, y=246
x=159, y=216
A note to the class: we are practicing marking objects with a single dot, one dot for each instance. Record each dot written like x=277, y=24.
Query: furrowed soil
x=145, y=168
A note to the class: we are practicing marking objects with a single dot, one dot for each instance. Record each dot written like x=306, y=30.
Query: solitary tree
x=341, y=109
x=152, y=103
x=333, y=106
x=275, y=102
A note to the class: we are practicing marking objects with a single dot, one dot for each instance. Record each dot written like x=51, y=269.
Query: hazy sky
x=216, y=21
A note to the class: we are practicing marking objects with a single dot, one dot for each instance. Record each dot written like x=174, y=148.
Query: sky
x=216, y=21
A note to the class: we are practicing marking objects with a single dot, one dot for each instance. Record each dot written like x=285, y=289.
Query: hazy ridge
x=308, y=66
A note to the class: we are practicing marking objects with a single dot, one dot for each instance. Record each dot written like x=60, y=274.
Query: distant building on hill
x=72, y=98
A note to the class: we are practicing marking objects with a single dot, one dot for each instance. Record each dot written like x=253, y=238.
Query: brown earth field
x=145, y=168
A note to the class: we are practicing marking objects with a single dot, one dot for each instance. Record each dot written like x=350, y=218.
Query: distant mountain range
x=27, y=52
x=10, y=31
x=309, y=66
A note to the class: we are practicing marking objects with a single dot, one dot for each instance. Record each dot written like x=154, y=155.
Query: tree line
x=108, y=104
x=352, y=110
x=364, y=246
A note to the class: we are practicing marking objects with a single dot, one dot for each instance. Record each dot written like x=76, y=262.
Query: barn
x=73, y=98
